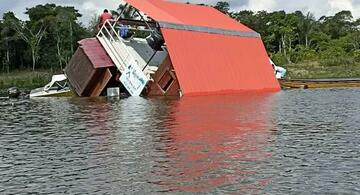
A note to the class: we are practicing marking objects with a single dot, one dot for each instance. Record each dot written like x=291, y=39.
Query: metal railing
x=114, y=42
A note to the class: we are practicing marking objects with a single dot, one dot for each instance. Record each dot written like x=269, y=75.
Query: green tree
x=9, y=38
x=62, y=32
x=305, y=27
x=127, y=12
x=223, y=6
x=338, y=25
x=92, y=25
x=33, y=40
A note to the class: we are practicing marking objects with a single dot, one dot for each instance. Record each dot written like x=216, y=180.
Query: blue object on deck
x=123, y=31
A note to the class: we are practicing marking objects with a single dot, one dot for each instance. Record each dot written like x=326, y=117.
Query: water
x=291, y=142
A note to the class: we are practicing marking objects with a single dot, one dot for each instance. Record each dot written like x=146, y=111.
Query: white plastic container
x=113, y=92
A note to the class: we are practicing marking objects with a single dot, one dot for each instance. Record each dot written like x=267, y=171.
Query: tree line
x=46, y=41
x=300, y=37
x=49, y=38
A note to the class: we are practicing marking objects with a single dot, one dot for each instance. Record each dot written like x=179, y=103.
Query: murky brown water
x=292, y=142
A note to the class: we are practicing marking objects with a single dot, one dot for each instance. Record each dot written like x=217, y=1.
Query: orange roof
x=210, y=52
x=189, y=14
x=217, y=63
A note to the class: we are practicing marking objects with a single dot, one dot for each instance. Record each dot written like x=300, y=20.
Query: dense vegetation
x=308, y=47
x=46, y=41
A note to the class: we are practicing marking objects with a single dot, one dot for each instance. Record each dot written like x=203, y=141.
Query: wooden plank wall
x=165, y=81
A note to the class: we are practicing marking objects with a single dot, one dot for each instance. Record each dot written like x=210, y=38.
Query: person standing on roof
x=103, y=18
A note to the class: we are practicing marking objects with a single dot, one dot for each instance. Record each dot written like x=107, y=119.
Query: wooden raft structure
x=319, y=83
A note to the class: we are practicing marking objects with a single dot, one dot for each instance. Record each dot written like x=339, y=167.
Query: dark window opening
x=166, y=81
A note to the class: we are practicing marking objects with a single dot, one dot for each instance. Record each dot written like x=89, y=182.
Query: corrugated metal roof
x=96, y=53
x=211, y=30
x=181, y=13
x=211, y=62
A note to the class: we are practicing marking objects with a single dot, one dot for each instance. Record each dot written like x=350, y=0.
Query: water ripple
x=292, y=142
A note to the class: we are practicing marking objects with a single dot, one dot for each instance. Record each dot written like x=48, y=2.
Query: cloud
x=339, y=5
x=259, y=5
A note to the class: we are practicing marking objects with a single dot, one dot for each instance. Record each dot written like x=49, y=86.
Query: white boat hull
x=50, y=93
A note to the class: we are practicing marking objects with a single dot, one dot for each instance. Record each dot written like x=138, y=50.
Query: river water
x=291, y=142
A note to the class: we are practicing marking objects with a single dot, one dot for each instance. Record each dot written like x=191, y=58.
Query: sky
x=89, y=8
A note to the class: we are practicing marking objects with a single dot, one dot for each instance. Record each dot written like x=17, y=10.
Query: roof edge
x=209, y=30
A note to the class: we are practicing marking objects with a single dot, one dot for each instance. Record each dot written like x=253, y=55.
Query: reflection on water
x=265, y=143
x=214, y=142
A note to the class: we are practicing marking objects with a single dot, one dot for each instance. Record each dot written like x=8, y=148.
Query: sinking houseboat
x=171, y=49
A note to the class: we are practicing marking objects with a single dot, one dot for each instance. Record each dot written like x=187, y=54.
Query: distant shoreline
x=318, y=70
x=27, y=80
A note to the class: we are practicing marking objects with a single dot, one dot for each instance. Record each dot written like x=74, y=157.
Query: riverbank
x=317, y=70
x=24, y=79
x=304, y=70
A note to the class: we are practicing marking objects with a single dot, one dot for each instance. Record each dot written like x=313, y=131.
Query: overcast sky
x=91, y=7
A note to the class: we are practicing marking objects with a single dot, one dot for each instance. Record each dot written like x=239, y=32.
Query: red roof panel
x=96, y=53
x=188, y=14
x=210, y=63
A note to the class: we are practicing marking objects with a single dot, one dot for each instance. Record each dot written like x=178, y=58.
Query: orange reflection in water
x=218, y=143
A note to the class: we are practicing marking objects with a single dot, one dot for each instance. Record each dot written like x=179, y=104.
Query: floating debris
x=13, y=92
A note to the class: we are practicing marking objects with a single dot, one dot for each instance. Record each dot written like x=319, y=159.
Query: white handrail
x=133, y=77
x=110, y=46
x=126, y=59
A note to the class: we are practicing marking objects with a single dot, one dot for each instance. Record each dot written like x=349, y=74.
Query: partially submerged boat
x=175, y=49
x=286, y=83
x=58, y=87
x=280, y=72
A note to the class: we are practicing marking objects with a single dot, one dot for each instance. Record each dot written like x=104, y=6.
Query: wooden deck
x=319, y=83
